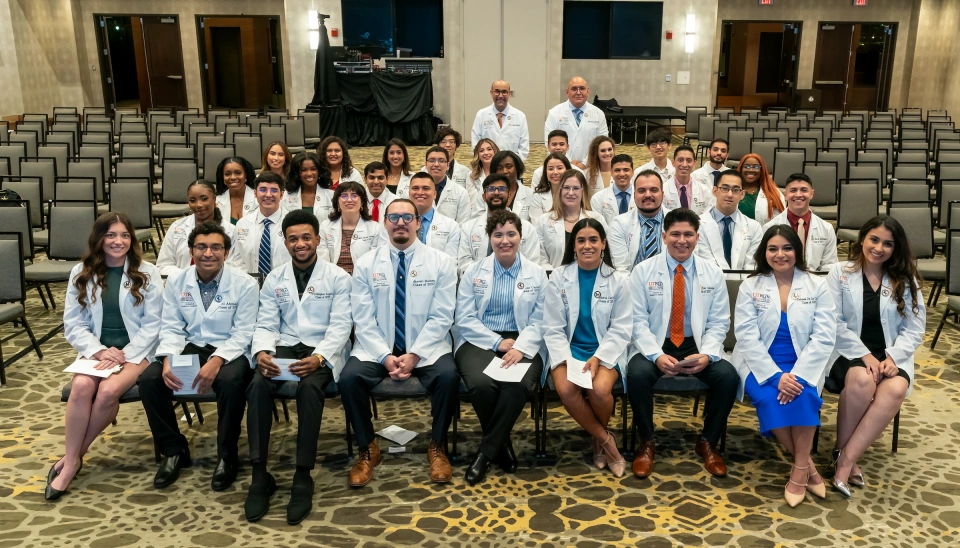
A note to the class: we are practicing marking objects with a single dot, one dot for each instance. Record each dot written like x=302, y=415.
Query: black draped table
x=376, y=107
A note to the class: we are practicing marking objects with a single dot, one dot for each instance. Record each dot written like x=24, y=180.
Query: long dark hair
x=544, y=184
x=95, y=263
x=287, y=158
x=405, y=166
x=901, y=267
x=345, y=164
x=569, y=255
x=217, y=214
x=323, y=174
x=760, y=257
x=360, y=190
x=248, y=171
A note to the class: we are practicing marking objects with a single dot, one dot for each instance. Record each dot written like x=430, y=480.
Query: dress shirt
x=657, y=233
x=302, y=276
x=209, y=290
x=499, y=313
x=425, y=221
x=440, y=186
x=617, y=192
x=793, y=219
x=688, y=187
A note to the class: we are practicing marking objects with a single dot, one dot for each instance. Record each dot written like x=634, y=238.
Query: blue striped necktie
x=263, y=262
x=649, y=247
x=400, y=324
x=577, y=115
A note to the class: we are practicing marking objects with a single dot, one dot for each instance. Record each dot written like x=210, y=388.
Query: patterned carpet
x=912, y=498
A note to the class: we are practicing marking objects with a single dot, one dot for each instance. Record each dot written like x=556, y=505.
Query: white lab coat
x=902, y=335
x=249, y=202
x=174, y=253
x=666, y=174
x=704, y=174
x=592, y=124
x=474, y=242
x=760, y=213
x=245, y=253
x=610, y=309
x=473, y=298
x=820, y=250
x=475, y=192
x=701, y=200
x=386, y=197
x=454, y=201
x=651, y=286
x=431, y=301
x=811, y=316
x=540, y=203
x=444, y=235
x=746, y=239
x=522, y=202
x=624, y=239
x=535, y=180
x=368, y=235
x=322, y=204
x=514, y=135
x=353, y=175
x=553, y=237
x=82, y=326
x=461, y=176
x=227, y=325
x=607, y=205
x=321, y=318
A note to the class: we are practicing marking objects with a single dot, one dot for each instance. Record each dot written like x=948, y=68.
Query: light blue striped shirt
x=499, y=313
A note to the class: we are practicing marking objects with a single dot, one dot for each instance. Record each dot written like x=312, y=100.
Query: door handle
x=829, y=82
x=173, y=77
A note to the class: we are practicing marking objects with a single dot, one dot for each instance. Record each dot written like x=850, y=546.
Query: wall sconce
x=313, y=24
x=690, y=38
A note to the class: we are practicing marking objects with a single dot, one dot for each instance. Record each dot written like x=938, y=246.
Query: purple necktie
x=683, y=197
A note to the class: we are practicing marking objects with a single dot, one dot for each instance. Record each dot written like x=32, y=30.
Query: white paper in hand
x=514, y=373
x=88, y=367
x=186, y=368
x=576, y=374
x=285, y=374
x=397, y=435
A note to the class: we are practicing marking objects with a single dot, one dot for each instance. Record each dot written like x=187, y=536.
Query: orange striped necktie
x=676, y=312
x=500, y=119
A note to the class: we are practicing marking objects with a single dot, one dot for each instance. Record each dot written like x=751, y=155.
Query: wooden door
x=789, y=61
x=831, y=67
x=164, y=61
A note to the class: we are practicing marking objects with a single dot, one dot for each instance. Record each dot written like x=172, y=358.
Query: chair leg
x=816, y=441
x=536, y=422
x=543, y=422
x=623, y=421
x=937, y=296
x=696, y=404
x=456, y=420
x=276, y=416
x=196, y=407
x=43, y=298
x=186, y=413
x=349, y=439
x=286, y=412
x=936, y=335
x=53, y=303
x=36, y=345
x=896, y=432
x=373, y=405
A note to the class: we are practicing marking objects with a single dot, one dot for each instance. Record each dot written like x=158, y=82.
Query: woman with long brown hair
x=762, y=200
x=397, y=160
x=111, y=315
x=555, y=165
x=483, y=152
x=349, y=231
x=599, y=171
x=335, y=158
x=277, y=158
x=570, y=205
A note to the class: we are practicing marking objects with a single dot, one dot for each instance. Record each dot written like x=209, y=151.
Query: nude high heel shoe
x=795, y=499
x=616, y=466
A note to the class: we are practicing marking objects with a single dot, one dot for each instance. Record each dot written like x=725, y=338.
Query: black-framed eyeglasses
x=394, y=218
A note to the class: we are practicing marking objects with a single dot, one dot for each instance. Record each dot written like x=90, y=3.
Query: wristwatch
x=321, y=358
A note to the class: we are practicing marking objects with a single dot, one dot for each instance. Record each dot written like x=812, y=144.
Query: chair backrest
x=721, y=129
x=102, y=151
x=826, y=126
x=30, y=192
x=17, y=217
x=947, y=171
x=202, y=141
x=813, y=133
x=249, y=147
x=4, y=166
x=758, y=126
x=855, y=127
x=134, y=197
x=40, y=169
x=311, y=122
x=909, y=191
x=180, y=151
x=913, y=135
x=13, y=151
x=867, y=170
x=809, y=146
x=295, y=131
x=99, y=138
x=231, y=130
x=917, y=221
x=877, y=157
x=276, y=115
x=751, y=112
x=913, y=157
x=947, y=194
x=165, y=139
x=873, y=145
x=156, y=120
x=910, y=171
x=184, y=112
x=857, y=203
x=12, y=286
x=88, y=167
x=221, y=121
x=177, y=176
x=952, y=281
x=29, y=137
x=256, y=121
x=705, y=127
x=787, y=163
x=792, y=127
x=199, y=129
x=33, y=118
x=213, y=154
x=952, y=216
x=691, y=121
x=948, y=156
x=63, y=138
x=270, y=133
x=134, y=137
x=135, y=167
x=825, y=181
x=70, y=226
x=739, y=143
x=766, y=149
x=75, y=189
x=781, y=135
x=130, y=150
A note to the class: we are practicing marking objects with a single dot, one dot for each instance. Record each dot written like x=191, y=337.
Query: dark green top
x=233, y=221
x=113, y=333
x=748, y=205
x=308, y=209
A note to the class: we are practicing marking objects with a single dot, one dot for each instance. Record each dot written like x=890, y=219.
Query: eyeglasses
x=751, y=166
x=578, y=89
x=268, y=190
x=450, y=141
x=500, y=91
x=725, y=189
x=349, y=196
x=570, y=189
x=202, y=248
x=660, y=144
x=498, y=189
x=436, y=161
x=394, y=218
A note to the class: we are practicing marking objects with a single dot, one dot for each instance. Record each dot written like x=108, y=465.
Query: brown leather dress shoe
x=712, y=460
x=643, y=463
x=440, y=470
x=362, y=471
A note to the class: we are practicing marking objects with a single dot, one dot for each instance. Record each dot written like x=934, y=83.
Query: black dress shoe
x=477, y=469
x=507, y=459
x=301, y=502
x=258, y=498
x=170, y=469
x=53, y=473
x=224, y=475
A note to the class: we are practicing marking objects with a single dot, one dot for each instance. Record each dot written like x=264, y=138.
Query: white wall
x=11, y=98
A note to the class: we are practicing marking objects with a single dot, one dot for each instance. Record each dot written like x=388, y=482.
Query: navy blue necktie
x=400, y=324
x=727, y=240
x=623, y=202
x=716, y=176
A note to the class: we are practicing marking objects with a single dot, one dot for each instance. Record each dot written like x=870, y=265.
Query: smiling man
x=436, y=230
x=581, y=120
x=503, y=124
x=474, y=241
x=378, y=195
x=819, y=239
x=452, y=199
x=709, y=173
x=259, y=244
x=727, y=237
x=684, y=191
x=636, y=235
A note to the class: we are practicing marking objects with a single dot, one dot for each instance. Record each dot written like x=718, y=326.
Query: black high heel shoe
x=53, y=473
x=52, y=494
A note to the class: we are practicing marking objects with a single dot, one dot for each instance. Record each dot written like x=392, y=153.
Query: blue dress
x=804, y=410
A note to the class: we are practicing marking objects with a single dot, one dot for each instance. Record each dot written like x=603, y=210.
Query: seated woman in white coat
x=880, y=324
x=762, y=200
x=335, y=158
x=507, y=162
x=554, y=166
x=587, y=317
x=174, y=253
x=483, y=152
x=235, y=192
x=599, y=170
x=499, y=315
x=785, y=324
x=569, y=206
x=397, y=161
x=309, y=187
x=112, y=315
x=350, y=232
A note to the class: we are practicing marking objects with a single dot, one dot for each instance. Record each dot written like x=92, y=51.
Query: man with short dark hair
x=727, y=237
x=617, y=198
x=556, y=142
x=658, y=143
x=636, y=236
x=378, y=195
x=818, y=237
x=501, y=123
x=709, y=173
x=683, y=191
x=450, y=140
x=474, y=243
x=452, y=199
x=259, y=242
x=436, y=230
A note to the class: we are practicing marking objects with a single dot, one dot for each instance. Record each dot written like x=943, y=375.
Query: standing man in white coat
x=436, y=230
x=709, y=173
x=617, y=198
x=818, y=237
x=658, y=143
x=581, y=120
x=209, y=309
x=637, y=236
x=474, y=242
x=379, y=196
x=259, y=243
x=502, y=123
x=727, y=237
x=305, y=316
x=452, y=199
x=683, y=190
x=681, y=314
x=403, y=300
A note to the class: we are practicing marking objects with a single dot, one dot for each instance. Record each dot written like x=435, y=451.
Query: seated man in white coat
x=556, y=142
x=727, y=237
x=681, y=314
x=581, y=120
x=709, y=173
x=436, y=230
x=452, y=199
x=637, y=235
x=818, y=237
x=259, y=243
x=474, y=242
x=209, y=309
x=304, y=316
x=617, y=198
x=378, y=195
x=683, y=191
x=403, y=299
x=503, y=124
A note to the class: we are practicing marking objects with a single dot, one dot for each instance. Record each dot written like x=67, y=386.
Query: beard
x=494, y=207
x=401, y=240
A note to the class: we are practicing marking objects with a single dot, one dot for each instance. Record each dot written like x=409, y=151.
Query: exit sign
x=859, y=3
x=765, y=2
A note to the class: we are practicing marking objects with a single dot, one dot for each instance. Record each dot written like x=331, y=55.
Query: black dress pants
x=229, y=386
x=720, y=376
x=439, y=379
x=498, y=404
x=310, y=402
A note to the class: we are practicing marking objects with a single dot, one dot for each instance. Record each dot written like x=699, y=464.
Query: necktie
x=727, y=240
x=676, y=312
x=684, y=203
x=716, y=176
x=577, y=114
x=422, y=233
x=376, y=210
x=649, y=247
x=500, y=119
x=263, y=263
x=622, y=197
x=400, y=324
x=801, y=231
